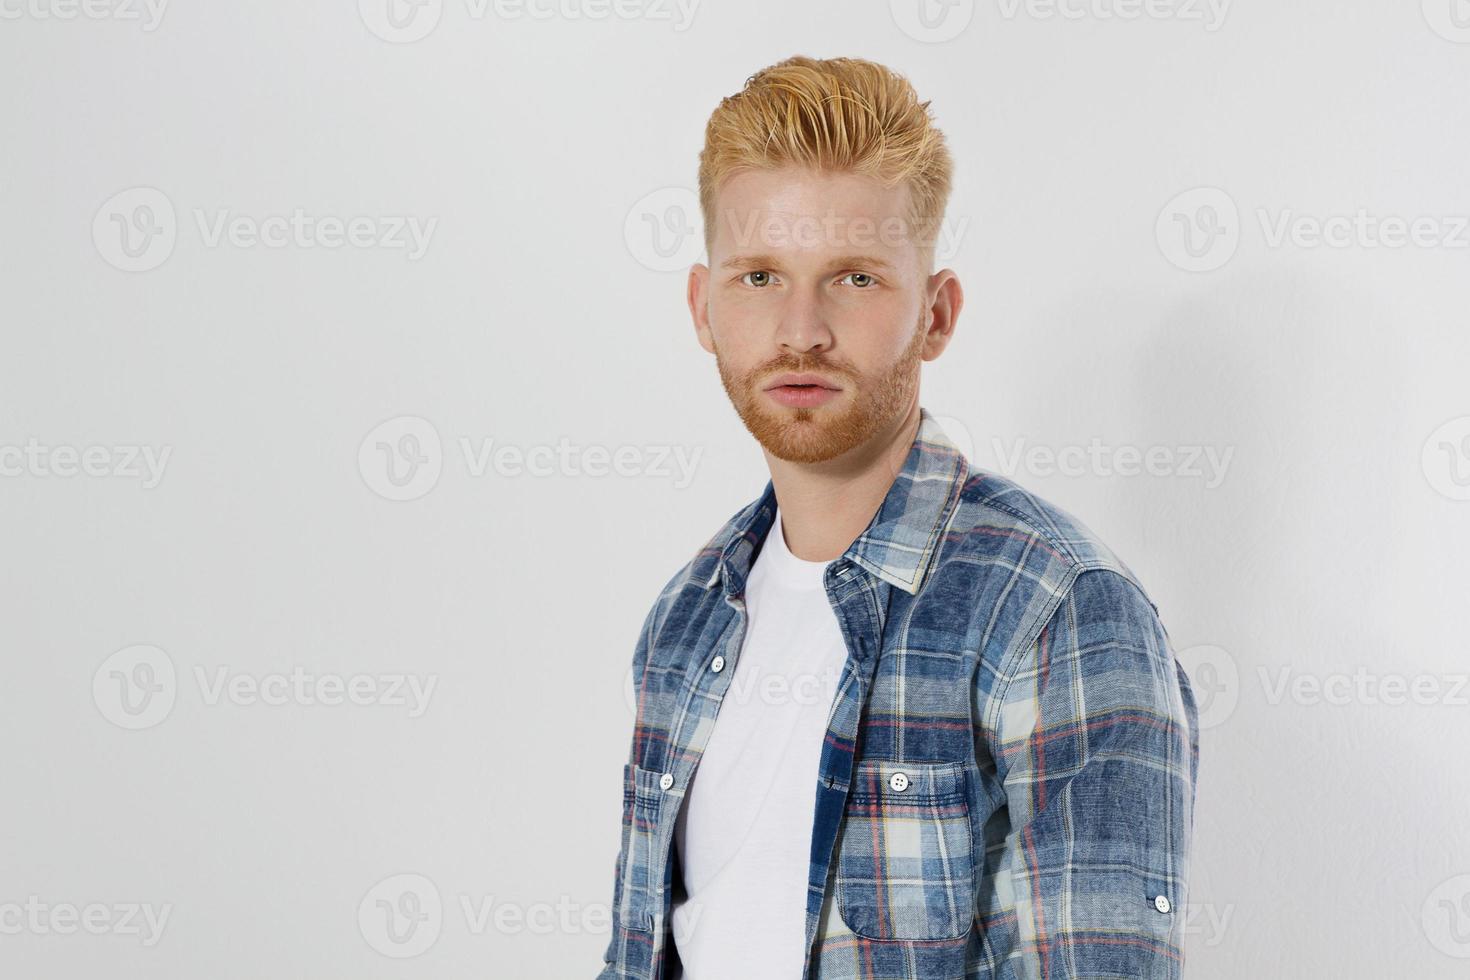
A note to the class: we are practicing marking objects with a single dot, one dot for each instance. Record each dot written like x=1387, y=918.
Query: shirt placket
x=855, y=600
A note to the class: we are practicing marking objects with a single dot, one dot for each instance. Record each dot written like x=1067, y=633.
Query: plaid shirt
x=1007, y=781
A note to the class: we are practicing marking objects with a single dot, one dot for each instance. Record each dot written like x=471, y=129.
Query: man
x=898, y=718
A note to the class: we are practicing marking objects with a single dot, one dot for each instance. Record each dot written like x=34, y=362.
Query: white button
x=717, y=664
x=898, y=782
x=666, y=780
x=1162, y=903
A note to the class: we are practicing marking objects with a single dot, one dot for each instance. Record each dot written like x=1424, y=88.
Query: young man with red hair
x=898, y=718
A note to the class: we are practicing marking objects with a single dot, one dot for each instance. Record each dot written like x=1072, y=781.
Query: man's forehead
x=804, y=210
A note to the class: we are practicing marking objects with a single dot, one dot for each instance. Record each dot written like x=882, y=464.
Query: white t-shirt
x=744, y=833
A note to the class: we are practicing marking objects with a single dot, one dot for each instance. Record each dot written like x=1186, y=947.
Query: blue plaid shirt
x=1007, y=780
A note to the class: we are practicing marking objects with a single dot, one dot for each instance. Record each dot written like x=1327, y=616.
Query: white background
x=1312, y=588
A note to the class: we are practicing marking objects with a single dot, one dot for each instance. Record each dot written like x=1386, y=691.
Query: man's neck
x=825, y=506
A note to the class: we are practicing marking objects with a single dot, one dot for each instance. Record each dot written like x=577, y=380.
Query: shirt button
x=666, y=780
x=717, y=664
x=1162, y=903
x=898, y=782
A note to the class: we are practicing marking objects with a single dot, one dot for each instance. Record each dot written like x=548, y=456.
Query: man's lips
x=806, y=380
x=802, y=390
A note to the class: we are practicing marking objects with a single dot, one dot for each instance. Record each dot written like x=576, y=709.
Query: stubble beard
x=815, y=435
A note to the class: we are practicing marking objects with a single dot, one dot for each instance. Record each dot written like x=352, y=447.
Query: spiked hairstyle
x=842, y=115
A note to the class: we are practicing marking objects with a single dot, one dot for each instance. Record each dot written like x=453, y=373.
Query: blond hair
x=842, y=115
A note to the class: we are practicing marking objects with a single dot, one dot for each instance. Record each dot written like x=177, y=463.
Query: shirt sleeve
x=1095, y=740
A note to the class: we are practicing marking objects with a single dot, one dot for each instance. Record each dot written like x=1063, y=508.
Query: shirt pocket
x=640, y=873
x=905, y=863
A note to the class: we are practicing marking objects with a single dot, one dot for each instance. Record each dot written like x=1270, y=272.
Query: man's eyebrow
x=841, y=262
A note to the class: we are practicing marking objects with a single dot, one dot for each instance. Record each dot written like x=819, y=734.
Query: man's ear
x=698, y=295
x=946, y=298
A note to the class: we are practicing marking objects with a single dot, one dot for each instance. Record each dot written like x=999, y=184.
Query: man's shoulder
x=998, y=523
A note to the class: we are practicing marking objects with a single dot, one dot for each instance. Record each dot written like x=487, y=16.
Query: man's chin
x=812, y=435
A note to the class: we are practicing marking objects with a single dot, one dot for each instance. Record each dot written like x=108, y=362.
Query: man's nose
x=803, y=323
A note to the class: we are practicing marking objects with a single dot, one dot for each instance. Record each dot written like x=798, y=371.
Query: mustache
x=799, y=367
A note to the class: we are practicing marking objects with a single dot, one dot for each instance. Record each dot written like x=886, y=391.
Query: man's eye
x=859, y=279
x=757, y=279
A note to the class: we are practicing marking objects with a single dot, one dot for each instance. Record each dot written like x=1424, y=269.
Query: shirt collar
x=900, y=541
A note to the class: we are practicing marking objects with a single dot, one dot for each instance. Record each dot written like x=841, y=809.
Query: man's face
x=815, y=274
